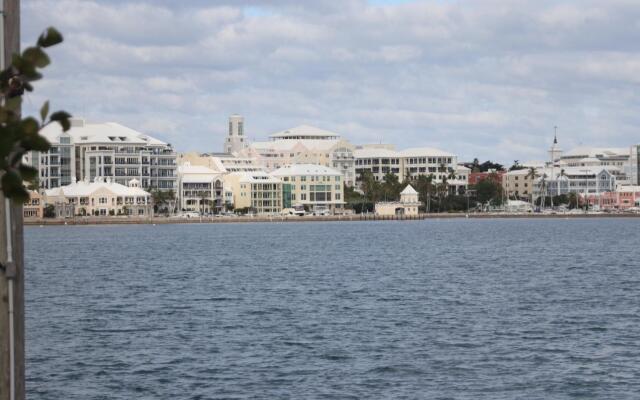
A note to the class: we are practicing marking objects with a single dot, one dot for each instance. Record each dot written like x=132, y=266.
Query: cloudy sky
x=481, y=78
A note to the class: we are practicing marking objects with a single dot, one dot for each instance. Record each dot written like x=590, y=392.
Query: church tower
x=235, y=141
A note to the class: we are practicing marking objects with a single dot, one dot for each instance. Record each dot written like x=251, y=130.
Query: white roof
x=196, y=173
x=289, y=144
x=628, y=188
x=305, y=169
x=85, y=189
x=409, y=190
x=375, y=152
x=519, y=172
x=425, y=152
x=255, y=177
x=108, y=132
x=305, y=131
x=462, y=168
x=195, y=169
x=594, y=152
x=572, y=171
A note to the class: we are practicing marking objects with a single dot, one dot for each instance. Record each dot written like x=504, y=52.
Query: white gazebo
x=408, y=204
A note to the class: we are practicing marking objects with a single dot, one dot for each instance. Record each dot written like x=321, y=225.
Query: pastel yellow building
x=102, y=197
x=34, y=207
x=518, y=184
x=257, y=191
x=317, y=187
x=408, y=204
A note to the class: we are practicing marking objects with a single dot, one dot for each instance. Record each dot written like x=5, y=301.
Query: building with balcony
x=106, y=150
x=305, y=144
x=410, y=163
x=102, y=197
x=200, y=189
x=315, y=186
x=255, y=191
x=581, y=180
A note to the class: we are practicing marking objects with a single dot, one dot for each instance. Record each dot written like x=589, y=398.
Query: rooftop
x=305, y=169
x=305, y=132
x=107, y=132
x=85, y=189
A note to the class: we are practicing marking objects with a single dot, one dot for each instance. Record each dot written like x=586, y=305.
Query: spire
x=555, y=135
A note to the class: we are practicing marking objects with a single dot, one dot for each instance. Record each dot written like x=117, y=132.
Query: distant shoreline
x=209, y=220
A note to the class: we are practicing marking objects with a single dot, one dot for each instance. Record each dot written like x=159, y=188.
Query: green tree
x=20, y=135
x=488, y=191
x=370, y=186
x=423, y=184
x=391, y=187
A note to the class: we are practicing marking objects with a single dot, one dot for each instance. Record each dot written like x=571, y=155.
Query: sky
x=480, y=78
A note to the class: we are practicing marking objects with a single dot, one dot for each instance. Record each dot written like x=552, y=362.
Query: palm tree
x=563, y=176
x=543, y=189
x=532, y=174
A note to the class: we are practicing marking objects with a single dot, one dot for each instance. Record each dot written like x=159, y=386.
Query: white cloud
x=483, y=78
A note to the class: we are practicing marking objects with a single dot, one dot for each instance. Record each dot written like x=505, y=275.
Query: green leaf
x=44, y=111
x=49, y=37
x=30, y=126
x=36, y=56
x=12, y=186
x=14, y=103
x=62, y=118
x=28, y=173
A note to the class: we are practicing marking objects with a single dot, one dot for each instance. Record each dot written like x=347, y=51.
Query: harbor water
x=435, y=309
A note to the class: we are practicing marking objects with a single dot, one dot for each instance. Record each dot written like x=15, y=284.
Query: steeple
x=235, y=142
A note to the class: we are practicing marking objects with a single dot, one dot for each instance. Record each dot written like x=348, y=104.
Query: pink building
x=624, y=197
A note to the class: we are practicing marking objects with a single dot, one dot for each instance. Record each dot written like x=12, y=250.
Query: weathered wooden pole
x=12, y=275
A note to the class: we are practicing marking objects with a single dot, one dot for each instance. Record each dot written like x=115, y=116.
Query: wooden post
x=11, y=33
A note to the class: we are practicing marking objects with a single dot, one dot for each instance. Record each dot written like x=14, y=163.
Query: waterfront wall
x=357, y=217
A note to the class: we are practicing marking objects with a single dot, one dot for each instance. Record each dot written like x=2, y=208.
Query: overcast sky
x=480, y=78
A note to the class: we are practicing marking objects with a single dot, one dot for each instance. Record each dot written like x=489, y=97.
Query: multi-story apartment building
x=200, y=189
x=305, y=145
x=410, y=163
x=518, y=184
x=110, y=150
x=258, y=191
x=315, y=186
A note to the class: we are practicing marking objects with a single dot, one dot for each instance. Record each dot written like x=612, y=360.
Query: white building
x=102, y=197
x=411, y=163
x=88, y=150
x=615, y=160
x=235, y=140
x=200, y=189
x=315, y=186
x=583, y=180
x=305, y=144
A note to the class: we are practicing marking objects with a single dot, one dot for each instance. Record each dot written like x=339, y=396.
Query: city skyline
x=482, y=79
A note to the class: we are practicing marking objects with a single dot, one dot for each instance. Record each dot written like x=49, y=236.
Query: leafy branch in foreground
x=20, y=135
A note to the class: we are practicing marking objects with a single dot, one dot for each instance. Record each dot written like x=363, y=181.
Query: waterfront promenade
x=357, y=217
